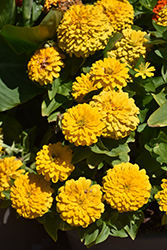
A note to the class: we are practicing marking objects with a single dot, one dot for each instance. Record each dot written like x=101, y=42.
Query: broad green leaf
x=159, y=28
x=7, y=194
x=29, y=39
x=51, y=225
x=64, y=226
x=161, y=149
x=15, y=86
x=7, y=12
x=111, y=43
x=159, y=117
x=164, y=72
x=65, y=89
x=80, y=153
x=5, y=203
x=91, y=234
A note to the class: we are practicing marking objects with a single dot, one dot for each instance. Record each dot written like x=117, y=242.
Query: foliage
x=31, y=114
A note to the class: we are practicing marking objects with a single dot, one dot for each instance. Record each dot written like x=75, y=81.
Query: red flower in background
x=19, y=2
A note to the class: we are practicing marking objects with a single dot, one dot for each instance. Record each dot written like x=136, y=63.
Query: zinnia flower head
x=130, y=47
x=158, y=8
x=82, y=86
x=83, y=30
x=9, y=169
x=45, y=65
x=31, y=196
x=109, y=73
x=79, y=203
x=54, y=162
x=118, y=111
x=120, y=13
x=63, y=5
x=82, y=125
x=144, y=70
x=162, y=16
x=161, y=195
x=126, y=187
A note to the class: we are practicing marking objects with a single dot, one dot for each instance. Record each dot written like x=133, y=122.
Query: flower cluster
x=160, y=12
x=161, y=196
x=31, y=196
x=130, y=47
x=126, y=187
x=80, y=203
x=9, y=169
x=54, y=162
x=45, y=65
x=83, y=30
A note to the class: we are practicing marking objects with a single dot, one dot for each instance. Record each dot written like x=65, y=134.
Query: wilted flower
x=82, y=125
x=161, y=196
x=119, y=13
x=79, y=203
x=83, y=30
x=109, y=73
x=144, y=70
x=63, y=5
x=45, y=65
x=54, y=162
x=118, y=111
x=126, y=187
x=82, y=86
x=9, y=169
x=31, y=196
x=130, y=47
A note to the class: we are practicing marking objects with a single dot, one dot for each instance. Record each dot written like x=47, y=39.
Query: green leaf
x=51, y=225
x=53, y=88
x=104, y=233
x=135, y=220
x=94, y=160
x=26, y=12
x=80, y=153
x=159, y=117
x=49, y=106
x=161, y=97
x=161, y=149
x=7, y=12
x=65, y=88
x=91, y=234
x=7, y=194
x=164, y=220
x=29, y=39
x=64, y=226
x=159, y=28
x=15, y=86
x=5, y=203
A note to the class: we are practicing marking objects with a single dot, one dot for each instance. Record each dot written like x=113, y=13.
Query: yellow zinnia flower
x=162, y=16
x=118, y=111
x=126, y=187
x=82, y=86
x=31, y=196
x=45, y=65
x=161, y=196
x=83, y=30
x=109, y=73
x=130, y=47
x=9, y=169
x=54, y=162
x=79, y=203
x=144, y=70
x=82, y=125
x=120, y=13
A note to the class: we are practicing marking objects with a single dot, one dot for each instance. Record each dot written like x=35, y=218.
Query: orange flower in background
x=159, y=6
x=19, y=2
